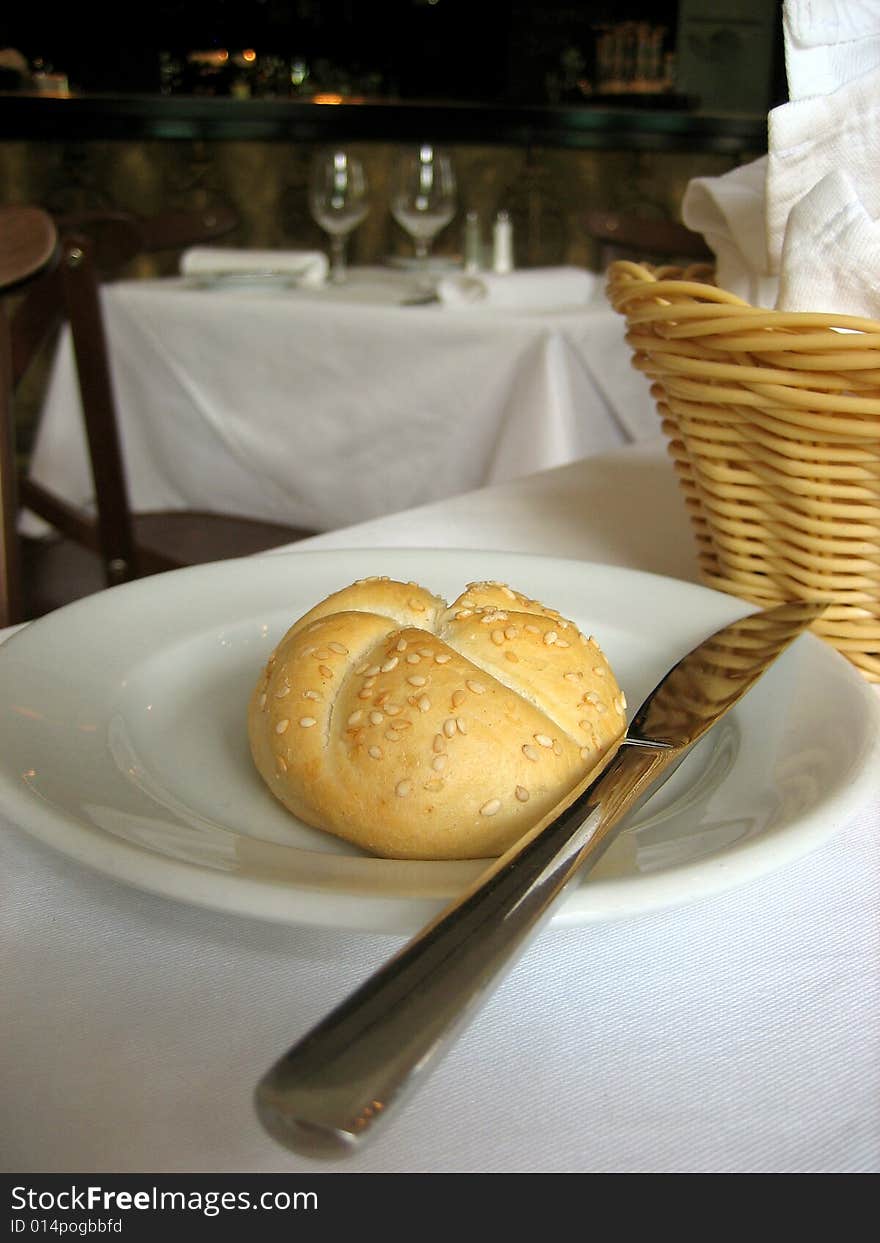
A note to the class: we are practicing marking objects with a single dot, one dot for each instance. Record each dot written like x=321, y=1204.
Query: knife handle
x=337, y=1085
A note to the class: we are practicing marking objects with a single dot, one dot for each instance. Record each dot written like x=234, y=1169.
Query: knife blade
x=343, y=1080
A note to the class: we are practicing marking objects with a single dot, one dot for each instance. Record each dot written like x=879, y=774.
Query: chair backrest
x=95, y=247
x=624, y=235
x=91, y=249
x=28, y=246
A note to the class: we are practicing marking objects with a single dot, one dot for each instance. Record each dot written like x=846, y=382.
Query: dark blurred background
x=502, y=51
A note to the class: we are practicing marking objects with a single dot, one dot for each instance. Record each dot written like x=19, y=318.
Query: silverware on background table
x=337, y=1084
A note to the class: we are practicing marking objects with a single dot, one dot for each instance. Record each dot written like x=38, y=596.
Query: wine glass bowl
x=423, y=197
x=338, y=201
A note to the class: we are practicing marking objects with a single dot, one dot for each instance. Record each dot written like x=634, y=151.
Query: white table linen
x=738, y=1032
x=322, y=408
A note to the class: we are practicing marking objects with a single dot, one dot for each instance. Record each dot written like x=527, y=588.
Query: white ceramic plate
x=262, y=279
x=437, y=265
x=123, y=742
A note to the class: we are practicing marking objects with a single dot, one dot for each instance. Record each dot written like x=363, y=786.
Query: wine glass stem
x=423, y=252
x=337, y=259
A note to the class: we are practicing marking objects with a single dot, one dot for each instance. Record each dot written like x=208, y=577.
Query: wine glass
x=423, y=198
x=338, y=201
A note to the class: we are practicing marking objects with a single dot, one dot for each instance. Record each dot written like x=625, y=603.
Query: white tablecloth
x=320, y=408
x=736, y=1033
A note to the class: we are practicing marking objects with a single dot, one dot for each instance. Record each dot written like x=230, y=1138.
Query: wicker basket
x=773, y=420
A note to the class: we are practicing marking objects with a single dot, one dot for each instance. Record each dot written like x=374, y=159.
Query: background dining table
x=319, y=407
x=736, y=1031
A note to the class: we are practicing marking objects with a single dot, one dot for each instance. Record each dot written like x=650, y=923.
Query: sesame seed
x=439, y=742
x=530, y=753
x=280, y=764
x=532, y=629
x=392, y=735
x=512, y=657
x=413, y=658
x=389, y=665
x=477, y=687
x=511, y=595
x=436, y=783
x=417, y=680
x=543, y=740
x=325, y=671
x=376, y=718
x=458, y=698
x=599, y=671
x=572, y=677
x=322, y=653
x=490, y=808
x=375, y=753
x=403, y=788
x=622, y=701
x=355, y=717
x=557, y=747
x=497, y=637
x=311, y=695
x=510, y=632
x=551, y=637
x=365, y=693
x=461, y=724
x=281, y=726
x=416, y=606
x=591, y=698
x=423, y=703
x=463, y=613
x=362, y=669
x=338, y=647
x=449, y=727
x=382, y=698
x=600, y=708
x=439, y=762
x=263, y=700
x=402, y=724
x=562, y=643
x=372, y=671
x=442, y=658
x=522, y=794
x=307, y=722
x=285, y=690
x=392, y=709
x=400, y=645
x=426, y=652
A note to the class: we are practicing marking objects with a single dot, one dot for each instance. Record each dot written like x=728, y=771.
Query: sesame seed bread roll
x=418, y=731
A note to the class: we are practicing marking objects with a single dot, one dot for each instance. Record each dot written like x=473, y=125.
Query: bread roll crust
x=421, y=731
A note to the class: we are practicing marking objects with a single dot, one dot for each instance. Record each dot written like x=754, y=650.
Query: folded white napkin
x=309, y=266
x=729, y=211
x=828, y=43
x=530, y=289
x=798, y=230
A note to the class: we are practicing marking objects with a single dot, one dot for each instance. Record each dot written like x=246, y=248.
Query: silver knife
x=347, y=1076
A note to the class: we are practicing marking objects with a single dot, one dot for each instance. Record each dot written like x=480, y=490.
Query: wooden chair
x=28, y=245
x=623, y=235
x=115, y=545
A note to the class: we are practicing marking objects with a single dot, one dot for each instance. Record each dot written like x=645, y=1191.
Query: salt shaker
x=502, y=243
x=473, y=244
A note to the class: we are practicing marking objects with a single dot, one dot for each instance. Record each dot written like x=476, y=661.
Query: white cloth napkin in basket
x=530, y=289
x=308, y=266
x=799, y=229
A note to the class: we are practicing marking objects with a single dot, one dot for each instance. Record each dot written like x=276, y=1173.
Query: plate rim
x=610, y=898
